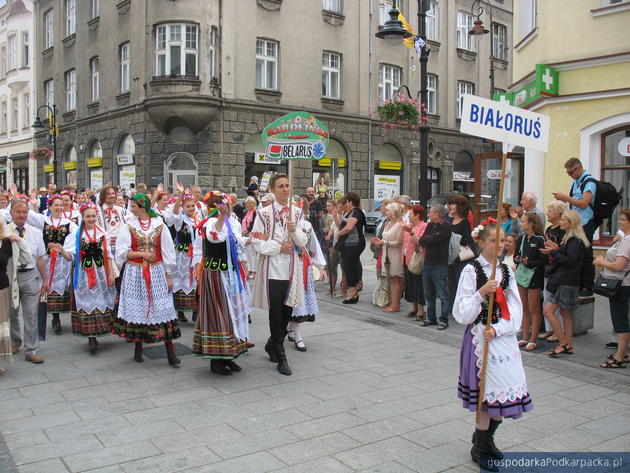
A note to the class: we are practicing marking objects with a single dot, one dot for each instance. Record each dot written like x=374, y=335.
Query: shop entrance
x=486, y=188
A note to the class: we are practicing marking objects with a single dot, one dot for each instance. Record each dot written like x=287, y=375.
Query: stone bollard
x=584, y=316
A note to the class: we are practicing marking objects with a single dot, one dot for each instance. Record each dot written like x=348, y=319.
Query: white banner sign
x=624, y=147
x=386, y=187
x=496, y=174
x=500, y=121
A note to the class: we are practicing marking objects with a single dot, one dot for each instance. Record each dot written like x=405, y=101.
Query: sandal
x=555, y=352
x=552, y=338
x=419, y=317
x=569, y=350
x=531, y=346
x=411, y=314
x=522, y=343
x=545, y=335
x=626, y=359
x=612, y=364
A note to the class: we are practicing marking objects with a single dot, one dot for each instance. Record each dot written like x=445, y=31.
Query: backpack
x=606, y=198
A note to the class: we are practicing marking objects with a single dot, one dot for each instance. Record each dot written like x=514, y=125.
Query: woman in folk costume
x=183, y=220
x=94, y=279
x=246, y=228
x=311, y=255
x=56, y=228
x=70, y=210
x=506, y=393
x=145, y=312
x=222, y=329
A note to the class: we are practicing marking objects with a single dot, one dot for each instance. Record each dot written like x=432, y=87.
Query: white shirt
x=35, y=240
x=167, y=249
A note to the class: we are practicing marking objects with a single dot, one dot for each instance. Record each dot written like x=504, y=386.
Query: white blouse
x=123, y=242
x=70, y=244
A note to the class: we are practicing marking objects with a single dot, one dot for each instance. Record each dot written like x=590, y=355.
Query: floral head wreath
x=187, y=196
x=481, y=226
x=53, y=197
x=87, y=205
x=212, y=210
x=69, y=193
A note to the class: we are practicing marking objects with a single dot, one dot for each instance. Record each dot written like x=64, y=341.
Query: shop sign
x=546, y=83
x=70, y=165
x=327, y=162
x=264, y=182
x=49, y=168
x=124, y=159
x=297, y=135
x=95, y=162
x=501, y=122
x=496, y=174
x=262, y=158
x=462, y=176
x=391, y=165
x=624, y=147
x=386, y=187
x=96, y=178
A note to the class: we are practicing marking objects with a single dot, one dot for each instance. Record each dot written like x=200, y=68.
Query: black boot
x=194, y=316
x=181, y=317
x=219, y=367
x=92, y=344
x=273, y=357
x=137, y=356
x=233, y=366
x=56, y=324
x=170, y=354
x=495, y=452
x=481, y=452
x=283, y=364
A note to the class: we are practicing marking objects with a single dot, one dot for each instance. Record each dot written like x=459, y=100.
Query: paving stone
x=259, y=423
x=386, y=409
x=172, y=462
x=13, y=414
x=382, y=429
x=35, y=453
x=47, y=466
x=260, y=462
x=175, y=411
x=324, y=425
x=555, y=421
x=252, y=443
x=26, y=438
x=439, y=434
x=376, y=453
x=183, y=396
x=86, y=427
x=193, y=438
x=568, y=440
x=39, y=422
x=334, y=406
x=607, y=427
x=388, y=467
x=444, y=457
x=325, y=445
x=110, y=456
x=319, y=465
x=138, y=432
x=586, y=392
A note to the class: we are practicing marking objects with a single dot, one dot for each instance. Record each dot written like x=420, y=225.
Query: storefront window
x=71, y=166
x=95, y=165
x=463, y=173
x=388, y=172
x=258, y=164
x=616, y=170
x=488, y=179
x=3, y=173
x=330, y=174
x=125, y=165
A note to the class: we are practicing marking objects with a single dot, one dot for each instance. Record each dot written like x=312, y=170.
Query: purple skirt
x=468, y=386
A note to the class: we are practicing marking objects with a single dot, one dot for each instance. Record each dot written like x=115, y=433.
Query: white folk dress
x=184, y=277
x=307, y=311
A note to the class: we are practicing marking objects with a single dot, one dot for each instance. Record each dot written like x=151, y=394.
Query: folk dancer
x=146, y=313
x=222, y=326
x=94, y=281
x=70, y=211
x=506, y=393
x=277, y=237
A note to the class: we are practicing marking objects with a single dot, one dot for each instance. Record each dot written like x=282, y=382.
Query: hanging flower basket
x=400, y=112
x=40, y=153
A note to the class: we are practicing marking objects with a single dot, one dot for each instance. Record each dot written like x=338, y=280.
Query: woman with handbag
x=352, y=242
x=564, y=280
x=393, y=254
x=530, y=277
x=616, y=265
x=413, y=255
x=458, y=209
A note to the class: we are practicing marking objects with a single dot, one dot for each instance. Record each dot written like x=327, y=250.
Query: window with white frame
x=331, y=75
x=388, y=81
x=499, y=41
x=49, y=92
x=465, y=22
x=463, y=88
x=3, y=124
x=384, y=6
x=527, y=17
x=71, y=16
x=48, y=29
x=13, y=52
x=95, y=78
x=433, y=21
x=71, y=90
x=266, y=64
x=176, y=50
x=213, y=64
x=432, y=94
x=332, y=5
x=27, y=109
x=15, y=113
x=25, y=49
x=94, y=8
x=125, y=67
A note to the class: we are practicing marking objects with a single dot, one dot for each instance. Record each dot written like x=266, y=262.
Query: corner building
x=158, y=91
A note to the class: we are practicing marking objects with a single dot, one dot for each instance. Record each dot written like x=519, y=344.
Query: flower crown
x=187, y=196
x=211, y=194
x=69, y=193
x=475, y=232
x=87, y=205
x=53, y=197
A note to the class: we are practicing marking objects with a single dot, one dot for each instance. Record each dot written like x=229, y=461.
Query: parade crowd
x=138, y=264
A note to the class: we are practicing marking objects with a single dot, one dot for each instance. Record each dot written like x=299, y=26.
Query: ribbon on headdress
x=143, y=201
x=488, y=221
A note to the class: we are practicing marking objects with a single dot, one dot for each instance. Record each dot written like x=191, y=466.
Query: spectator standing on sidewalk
x=528, y=204
x=581, y=199
x=435, y=241
x=414, y=291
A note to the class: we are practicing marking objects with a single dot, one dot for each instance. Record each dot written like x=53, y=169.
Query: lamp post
x=479, y=30
x=52, y=135
x=393, y=32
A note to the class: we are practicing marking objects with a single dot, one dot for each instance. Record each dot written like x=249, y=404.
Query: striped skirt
x=59, y=303
x=185, y=302
x=94, y=324
x=214, y=333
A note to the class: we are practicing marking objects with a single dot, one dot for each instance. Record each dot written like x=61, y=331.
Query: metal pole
x=54, y=138
x=423, y=193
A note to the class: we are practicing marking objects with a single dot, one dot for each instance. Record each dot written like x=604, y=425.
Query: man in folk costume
x=276, y=238
x=110, y=217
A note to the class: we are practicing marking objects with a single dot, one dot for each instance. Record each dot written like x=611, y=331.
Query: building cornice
x=601, y=94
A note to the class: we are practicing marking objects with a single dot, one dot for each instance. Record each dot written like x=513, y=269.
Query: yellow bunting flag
x=407, y=41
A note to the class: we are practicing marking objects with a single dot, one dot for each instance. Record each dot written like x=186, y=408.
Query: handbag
x=524, y=274
x=416, y=262
x=608, y=287
x=453, y=247
x=465, y=253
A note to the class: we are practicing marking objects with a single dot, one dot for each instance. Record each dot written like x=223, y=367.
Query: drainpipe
x=370, y=164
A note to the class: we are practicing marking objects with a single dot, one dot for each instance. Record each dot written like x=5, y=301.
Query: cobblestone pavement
x=373, y=393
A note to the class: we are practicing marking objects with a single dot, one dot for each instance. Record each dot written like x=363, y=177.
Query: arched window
x=124, y=160
x=388, y=172
x=95, y=165
x=433, y=178
x=330, y=174
x=180, y=167
x=70, y=166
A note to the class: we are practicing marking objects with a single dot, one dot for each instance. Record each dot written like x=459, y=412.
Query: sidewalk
x=373, y=393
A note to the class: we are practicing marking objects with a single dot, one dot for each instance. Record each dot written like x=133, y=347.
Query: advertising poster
x=96, y=178
x=386, y=187
x=127, y=176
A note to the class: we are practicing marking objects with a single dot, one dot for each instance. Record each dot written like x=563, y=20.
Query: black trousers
x=351, y=264
x=587, y=273
x=279, y=313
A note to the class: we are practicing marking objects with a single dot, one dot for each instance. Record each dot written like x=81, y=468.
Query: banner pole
x=484, y=364
x=290, y=195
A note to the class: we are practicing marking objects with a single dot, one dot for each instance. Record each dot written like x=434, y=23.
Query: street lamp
x=52, y=134
x=393, y=32
x=479, y=30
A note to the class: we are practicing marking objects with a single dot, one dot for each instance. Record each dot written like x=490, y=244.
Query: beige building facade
x=162, y=91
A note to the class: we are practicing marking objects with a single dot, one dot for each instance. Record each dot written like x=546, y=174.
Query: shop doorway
x=486, y=188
